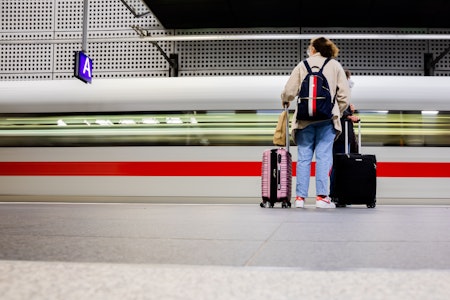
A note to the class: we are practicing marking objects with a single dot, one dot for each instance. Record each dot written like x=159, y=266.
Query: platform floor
x=223, y=251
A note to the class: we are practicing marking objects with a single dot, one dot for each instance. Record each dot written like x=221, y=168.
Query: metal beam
x=211, y=37
x=133, y=11
x=180, y=38
x=85, y=26
x=172, y=60
x=430, y=63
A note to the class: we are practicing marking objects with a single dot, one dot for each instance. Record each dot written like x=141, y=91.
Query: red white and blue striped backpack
x=314, y=98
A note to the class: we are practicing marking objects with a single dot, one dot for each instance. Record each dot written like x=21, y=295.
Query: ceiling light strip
x=299, y=37
x=236, y=37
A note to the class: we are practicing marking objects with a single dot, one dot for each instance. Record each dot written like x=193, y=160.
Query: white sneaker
x=324, y=202
x=299, y=202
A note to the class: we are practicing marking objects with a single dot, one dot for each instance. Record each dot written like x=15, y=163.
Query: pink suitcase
x=276, y=175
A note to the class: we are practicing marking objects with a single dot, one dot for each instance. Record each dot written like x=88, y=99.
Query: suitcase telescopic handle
x=286, y=109
x=359, y=136
x=347, y=151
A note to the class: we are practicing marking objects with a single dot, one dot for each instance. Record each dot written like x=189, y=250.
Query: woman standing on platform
x=317, y=136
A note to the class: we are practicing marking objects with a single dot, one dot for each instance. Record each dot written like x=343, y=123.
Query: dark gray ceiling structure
x=191, y=14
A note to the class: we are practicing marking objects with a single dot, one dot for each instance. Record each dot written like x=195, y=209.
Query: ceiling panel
x=184, y=14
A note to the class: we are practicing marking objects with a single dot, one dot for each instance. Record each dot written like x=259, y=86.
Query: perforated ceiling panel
x=58, y=25
x=110, y=21
x=438, y=48
x=379, y=57
x=203, y=58
x=33, y=21
x=39, y=38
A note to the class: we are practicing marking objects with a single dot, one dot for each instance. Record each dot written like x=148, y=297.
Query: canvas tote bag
x=279, y=137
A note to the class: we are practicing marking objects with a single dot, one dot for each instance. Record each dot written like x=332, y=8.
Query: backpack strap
x=326, y=61
x=308, y=68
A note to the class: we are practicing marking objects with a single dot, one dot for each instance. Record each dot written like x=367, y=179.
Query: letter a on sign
x=87, y=68
x=83, y=67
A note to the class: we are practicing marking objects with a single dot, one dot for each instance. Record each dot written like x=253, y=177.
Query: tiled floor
x=223, y=251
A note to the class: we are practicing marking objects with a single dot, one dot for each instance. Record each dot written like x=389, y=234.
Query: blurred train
x=200, y=139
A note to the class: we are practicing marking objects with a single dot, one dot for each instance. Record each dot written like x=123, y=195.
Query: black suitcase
x=355, y=177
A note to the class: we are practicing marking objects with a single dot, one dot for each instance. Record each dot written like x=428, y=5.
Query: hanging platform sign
x=83, y=67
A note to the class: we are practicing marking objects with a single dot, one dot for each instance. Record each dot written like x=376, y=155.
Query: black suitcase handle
x=347, y=150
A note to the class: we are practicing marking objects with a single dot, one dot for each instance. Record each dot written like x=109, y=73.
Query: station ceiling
x=194, y=14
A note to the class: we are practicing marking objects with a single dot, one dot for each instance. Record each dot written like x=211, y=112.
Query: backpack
x=314, y=98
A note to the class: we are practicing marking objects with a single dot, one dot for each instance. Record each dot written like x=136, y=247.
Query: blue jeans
x=319, y=138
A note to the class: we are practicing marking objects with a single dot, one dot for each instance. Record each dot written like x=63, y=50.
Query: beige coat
x=337, y=81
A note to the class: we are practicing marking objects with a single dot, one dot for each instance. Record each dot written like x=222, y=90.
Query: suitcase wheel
x=286, y=204
x=336, y=201
x=371, y=205
x=266, y=204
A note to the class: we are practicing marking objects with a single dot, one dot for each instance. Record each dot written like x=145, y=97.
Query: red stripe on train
x=184, y=168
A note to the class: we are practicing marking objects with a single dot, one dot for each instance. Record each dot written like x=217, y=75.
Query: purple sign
x=83, y=67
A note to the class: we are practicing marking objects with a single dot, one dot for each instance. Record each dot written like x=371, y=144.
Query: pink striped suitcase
x=276, y=181
x=276, y=175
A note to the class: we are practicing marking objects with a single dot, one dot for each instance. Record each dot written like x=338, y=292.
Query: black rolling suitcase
x=355, y=178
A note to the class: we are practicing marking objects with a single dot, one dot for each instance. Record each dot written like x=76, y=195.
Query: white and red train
x=200, y=139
